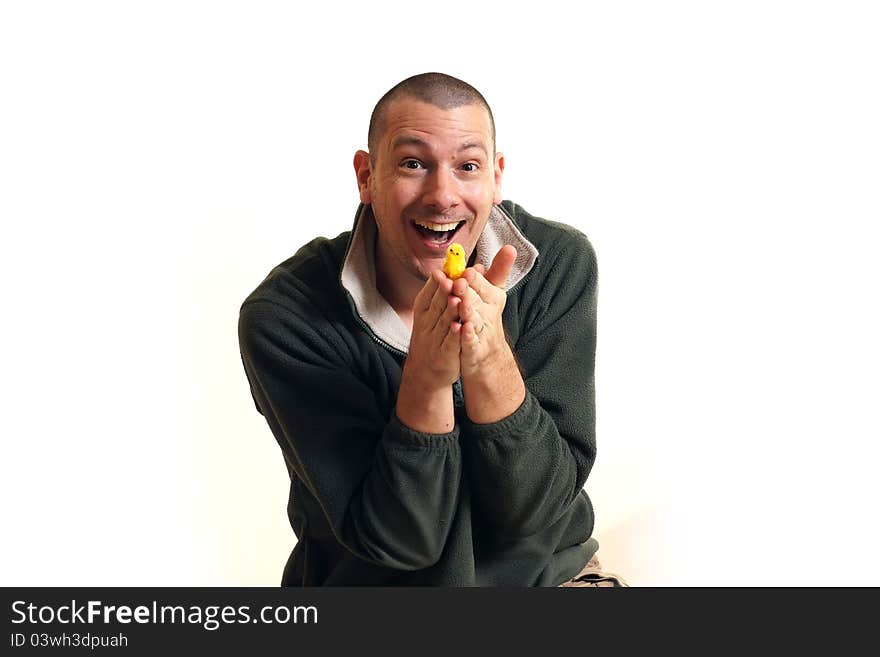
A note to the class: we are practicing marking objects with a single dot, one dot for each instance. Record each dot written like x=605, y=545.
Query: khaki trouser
x=593, y=575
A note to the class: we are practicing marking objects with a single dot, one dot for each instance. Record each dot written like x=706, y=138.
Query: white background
x=158, y=158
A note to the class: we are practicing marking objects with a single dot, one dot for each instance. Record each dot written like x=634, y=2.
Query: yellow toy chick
x=455, y=264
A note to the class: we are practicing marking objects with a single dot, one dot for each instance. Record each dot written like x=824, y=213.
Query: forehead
x=409, y=121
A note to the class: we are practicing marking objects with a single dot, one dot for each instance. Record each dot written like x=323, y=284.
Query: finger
x=441, y=292
x=501, y=266
x=442, y=326
x=451, y=345
x=469, y=337
x=470, y=308
x=423, y=298
x=482, y=287
x=459, y=287
x=480, y=268
x=453, y=310
x=439, y=300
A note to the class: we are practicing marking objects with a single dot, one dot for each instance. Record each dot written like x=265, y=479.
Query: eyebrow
x=411, y=140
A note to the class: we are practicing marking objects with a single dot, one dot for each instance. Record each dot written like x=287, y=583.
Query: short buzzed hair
x=437, y=89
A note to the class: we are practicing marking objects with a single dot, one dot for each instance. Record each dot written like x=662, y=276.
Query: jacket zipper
x=373, y=336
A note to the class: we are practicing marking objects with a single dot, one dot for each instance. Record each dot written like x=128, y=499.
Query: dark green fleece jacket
x=373, y=502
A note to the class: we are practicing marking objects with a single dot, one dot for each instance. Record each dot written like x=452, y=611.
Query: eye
x=470, y=167
x=412, y=165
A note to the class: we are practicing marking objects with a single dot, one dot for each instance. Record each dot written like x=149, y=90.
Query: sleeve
x=528, y=468
x=387, y=492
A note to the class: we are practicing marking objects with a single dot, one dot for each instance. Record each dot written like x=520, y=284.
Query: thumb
x=501, y=266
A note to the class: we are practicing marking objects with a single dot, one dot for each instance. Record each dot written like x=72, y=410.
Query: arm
x=388, y=492
x=527, y=467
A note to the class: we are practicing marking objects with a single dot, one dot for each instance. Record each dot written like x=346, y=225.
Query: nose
x=441, y=191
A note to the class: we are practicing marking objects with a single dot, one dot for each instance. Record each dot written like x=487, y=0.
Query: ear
x=363, y=171
x=499, y=170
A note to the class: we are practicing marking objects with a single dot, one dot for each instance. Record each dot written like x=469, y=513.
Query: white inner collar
x=358, y=275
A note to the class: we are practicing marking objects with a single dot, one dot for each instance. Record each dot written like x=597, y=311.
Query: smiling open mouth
x=439, y=234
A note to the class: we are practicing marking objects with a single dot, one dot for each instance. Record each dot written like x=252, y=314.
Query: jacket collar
x=358, y=275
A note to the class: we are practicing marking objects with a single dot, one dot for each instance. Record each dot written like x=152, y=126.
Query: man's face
x=432, y=181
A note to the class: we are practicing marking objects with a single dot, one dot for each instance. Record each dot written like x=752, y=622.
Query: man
x=436, y=432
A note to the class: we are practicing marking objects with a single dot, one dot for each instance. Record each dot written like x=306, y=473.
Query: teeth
x=436, y=227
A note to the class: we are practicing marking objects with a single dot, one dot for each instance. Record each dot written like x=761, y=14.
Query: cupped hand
x=435, y=343
x=483, y=298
